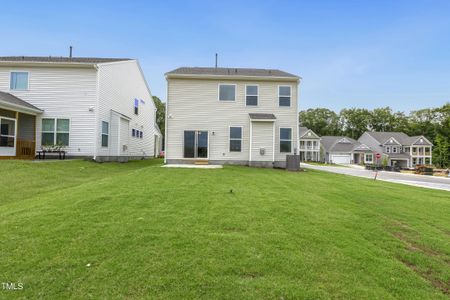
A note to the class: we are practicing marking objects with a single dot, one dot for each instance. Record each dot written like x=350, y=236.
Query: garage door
x=340, y=158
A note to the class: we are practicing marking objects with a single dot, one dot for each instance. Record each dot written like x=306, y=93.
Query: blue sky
x=349, y=53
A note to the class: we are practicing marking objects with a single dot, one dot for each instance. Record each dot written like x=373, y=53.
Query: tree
x=355, y=121
x=160, y=114
x=382, y=119
x=322, y=121
x=441, y=151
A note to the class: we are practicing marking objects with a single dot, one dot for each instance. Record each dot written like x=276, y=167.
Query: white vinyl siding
x=192, y=103
x=61, y=92
x=120, y=85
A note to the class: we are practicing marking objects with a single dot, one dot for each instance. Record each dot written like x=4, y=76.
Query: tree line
x=433, y=123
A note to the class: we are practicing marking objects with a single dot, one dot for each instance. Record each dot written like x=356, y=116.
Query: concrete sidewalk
x=432, y=182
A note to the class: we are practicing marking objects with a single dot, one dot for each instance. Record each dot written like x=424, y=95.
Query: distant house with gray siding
x=345, y=150
x=399, y=148
x=231, y=116
x=99, y=108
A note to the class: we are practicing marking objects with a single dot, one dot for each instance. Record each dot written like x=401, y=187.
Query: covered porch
x=17, y=128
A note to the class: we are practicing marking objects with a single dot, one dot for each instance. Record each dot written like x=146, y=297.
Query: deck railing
x=25, y=149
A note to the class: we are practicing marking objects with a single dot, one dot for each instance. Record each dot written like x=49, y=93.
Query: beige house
x=231, y=116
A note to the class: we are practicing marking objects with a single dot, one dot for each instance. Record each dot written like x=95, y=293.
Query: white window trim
x=388, y=149
x=291, y=140
x=257, y=95
x=15, y=132
x=28, y=81
x=235, y=92
x=235, y=139
x=107, y=134
x=290, y=96
x=196, y=158
x=365, y=158
x=394, y=149
x=55, y=132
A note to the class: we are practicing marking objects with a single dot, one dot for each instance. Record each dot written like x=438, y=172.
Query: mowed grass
x=83, y=230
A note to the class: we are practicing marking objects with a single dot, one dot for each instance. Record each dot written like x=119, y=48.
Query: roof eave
x=48, y=63
x=20, y=108
x=241, y=77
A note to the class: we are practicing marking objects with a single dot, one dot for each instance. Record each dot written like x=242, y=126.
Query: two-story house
x=231, y=116
x=345, y=150
x=399, y=148
x=99, y=108
x=309, y=149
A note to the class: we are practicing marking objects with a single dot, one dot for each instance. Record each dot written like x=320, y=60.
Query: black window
x=133, y=132
x=284, y=95
x=136, y=106
x=141, y=134
x=251, y=95
x=235, y=139
x=286, y=140
x=105, y=133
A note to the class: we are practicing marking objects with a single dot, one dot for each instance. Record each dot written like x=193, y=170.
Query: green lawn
x=80, y=230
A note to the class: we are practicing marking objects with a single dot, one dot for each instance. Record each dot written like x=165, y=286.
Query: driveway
x=432, y=182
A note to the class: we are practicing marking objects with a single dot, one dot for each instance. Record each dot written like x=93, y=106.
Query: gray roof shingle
x=60, y=59
x=11, y=99
x=254, y=116
x=332, y=144
x=401, y=137
x=231, y=72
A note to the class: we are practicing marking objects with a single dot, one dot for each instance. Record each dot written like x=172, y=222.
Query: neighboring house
x=399, y=148
x=309, y=149
x=230, y=115
x=345, y=150
x=100, y=108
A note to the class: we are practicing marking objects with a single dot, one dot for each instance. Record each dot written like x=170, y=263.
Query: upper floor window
x=394, y=149
x=284, y=95
x=286, y=140
x=388, y=149
x=251, y=95
x=227, y=92
x=136, y=106
x=105, y=133
x=55, y=132
x=235, y=139
x=19, y=81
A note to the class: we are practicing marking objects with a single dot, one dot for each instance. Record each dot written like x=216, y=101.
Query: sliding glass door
x=195, y=144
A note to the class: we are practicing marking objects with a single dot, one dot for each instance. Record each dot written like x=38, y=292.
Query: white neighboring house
x=99, y=108
x=231, y=116
x=309, y=145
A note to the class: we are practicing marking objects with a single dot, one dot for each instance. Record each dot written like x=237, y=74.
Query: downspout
x=166, y=130
x=250, y=144
x=273, y=143
x=96, y=113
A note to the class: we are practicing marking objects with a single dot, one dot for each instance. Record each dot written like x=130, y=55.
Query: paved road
x=440, y=183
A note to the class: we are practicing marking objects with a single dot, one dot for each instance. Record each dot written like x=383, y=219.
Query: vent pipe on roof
x=70, y=51
x=216, y=60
